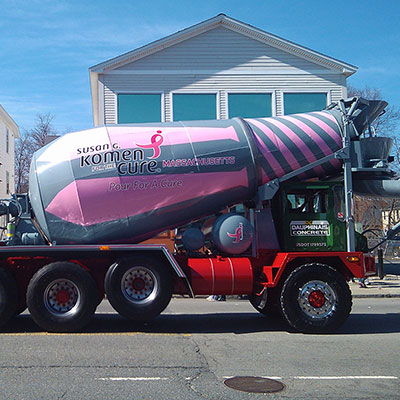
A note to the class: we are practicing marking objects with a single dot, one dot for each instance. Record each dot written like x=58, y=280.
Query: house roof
x=202, y=27
x=235, y=25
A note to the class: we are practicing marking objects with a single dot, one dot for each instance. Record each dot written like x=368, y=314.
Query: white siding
x=221, y=49
x=6, y=160
x=219, y=61
x=110, y=105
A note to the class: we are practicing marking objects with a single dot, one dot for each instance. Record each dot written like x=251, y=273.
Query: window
x=249, y=105
x=7, y=141
x=310, y=202
x=296, y=202
x=304, y=102
x=139, y=108
x=189, y=107
x=7, y=182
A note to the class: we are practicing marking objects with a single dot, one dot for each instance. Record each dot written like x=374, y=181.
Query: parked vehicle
x=288, y=241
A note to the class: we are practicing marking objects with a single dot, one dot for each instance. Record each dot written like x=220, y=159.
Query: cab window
x=310, y=202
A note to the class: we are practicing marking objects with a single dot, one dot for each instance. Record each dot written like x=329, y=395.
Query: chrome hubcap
x=317, y=299
x=139, y=285
x=62, y=297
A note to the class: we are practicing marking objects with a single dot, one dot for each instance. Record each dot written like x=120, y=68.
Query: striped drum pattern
x=290, y=142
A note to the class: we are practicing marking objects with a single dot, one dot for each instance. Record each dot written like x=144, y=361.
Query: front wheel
x=139, y=288
x=315, y=299
x=62, y=297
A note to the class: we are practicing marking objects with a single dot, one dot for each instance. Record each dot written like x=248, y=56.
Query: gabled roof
x=235, y=25
x=207, y=25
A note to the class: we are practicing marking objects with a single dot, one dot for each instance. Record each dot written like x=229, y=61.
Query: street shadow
x=237, y=323
x=213, y=323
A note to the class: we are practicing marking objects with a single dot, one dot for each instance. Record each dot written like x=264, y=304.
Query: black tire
x=8, y=296
x=267, y=303
x=139, y=288
x=62, y=297
x=315, y=299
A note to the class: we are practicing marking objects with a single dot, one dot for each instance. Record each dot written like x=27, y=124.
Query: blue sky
x=48, y=46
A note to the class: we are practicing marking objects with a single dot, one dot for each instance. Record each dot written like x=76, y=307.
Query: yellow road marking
x=94, y=334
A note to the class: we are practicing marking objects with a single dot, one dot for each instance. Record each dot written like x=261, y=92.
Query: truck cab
x=309, y=216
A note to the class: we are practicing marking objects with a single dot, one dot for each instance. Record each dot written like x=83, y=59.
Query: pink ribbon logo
x=238, y=235
x=155, y=142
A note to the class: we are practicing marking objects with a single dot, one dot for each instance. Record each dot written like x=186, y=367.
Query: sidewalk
x=389, y=286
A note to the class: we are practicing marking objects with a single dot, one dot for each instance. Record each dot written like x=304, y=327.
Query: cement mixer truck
x=261, y=207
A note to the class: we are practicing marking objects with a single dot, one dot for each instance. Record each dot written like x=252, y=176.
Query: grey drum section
x=126, y=183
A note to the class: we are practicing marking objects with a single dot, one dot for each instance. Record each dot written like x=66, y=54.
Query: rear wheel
x=8, y=296
x=139, y=288
x=62, y=297
x=316, y=299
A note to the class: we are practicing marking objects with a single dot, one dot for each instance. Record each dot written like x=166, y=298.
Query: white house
x=219, y=68
x=9, y=131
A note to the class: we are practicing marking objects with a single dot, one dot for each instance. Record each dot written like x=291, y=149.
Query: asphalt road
x=190, y=350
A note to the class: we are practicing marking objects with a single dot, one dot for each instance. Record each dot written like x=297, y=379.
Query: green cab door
x=312, y=217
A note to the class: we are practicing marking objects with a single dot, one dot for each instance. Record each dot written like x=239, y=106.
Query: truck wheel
x=315, y=299
x=267, y=303
x=8, y=296
x=62, y=297
x=139, y=288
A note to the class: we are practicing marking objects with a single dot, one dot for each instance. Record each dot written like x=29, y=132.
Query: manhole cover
x=254, y=384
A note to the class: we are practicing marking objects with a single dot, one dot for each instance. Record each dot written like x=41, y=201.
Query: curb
x=372, y=296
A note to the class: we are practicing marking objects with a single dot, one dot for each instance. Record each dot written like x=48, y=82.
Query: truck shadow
x=236, y=323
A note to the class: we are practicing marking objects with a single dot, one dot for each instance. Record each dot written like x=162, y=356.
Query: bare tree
x=22, y=161
x=30, y=141
x=393, y=213
x=42, y=130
